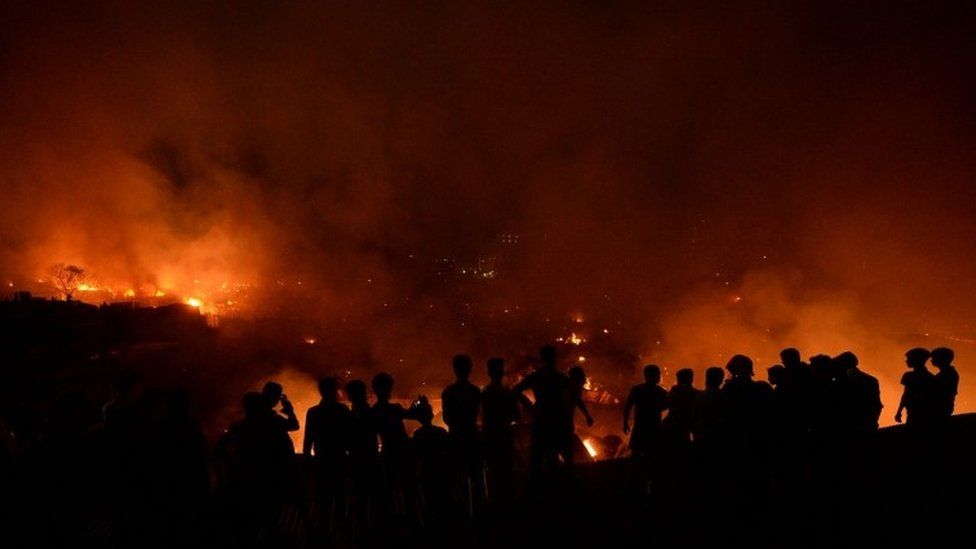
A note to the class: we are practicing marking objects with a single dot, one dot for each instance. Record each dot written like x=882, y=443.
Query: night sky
x=418, y=179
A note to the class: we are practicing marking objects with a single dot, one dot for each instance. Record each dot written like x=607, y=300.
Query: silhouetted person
x=260, y=447
x=682, y=399
x=749, y=407
x=552, y=417
x=499, y=411
x=362, y=427
x=459, y=404
x=363, y=449
x=797, y=396
x=388, y=417
x=327, y=426
x=327, y=438
x=58, y=495
x=255, y=455
x=577, y=377
x=648, y=400
x=863, y=394
x=577, y=380
x=710, y=411
x=432, y=446
x=918, y=396
x=946, y=381
x=185, y=449
x=776, y=375
x=274, y=395
x=395, y=449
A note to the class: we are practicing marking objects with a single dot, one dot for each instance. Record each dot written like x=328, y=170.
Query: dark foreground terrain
x=904, y=489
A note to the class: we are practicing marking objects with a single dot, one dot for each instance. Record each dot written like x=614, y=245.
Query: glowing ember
x=588, y=443
x=310, y=340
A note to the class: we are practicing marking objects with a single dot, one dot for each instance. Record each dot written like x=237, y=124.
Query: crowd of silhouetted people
x=139, y=472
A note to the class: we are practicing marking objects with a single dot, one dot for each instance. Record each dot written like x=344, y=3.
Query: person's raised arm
x=627, y=407
x=413, y=413
x=289, y=410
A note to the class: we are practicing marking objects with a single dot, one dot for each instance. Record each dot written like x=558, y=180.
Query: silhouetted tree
x=68, y=278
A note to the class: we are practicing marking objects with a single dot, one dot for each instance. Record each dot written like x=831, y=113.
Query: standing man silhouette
x=862, y=395
x=682, y=399
x=273, y=395
x=327, y=426
x=946, y=380
x=918, y=396
x=649, y=401
x=552, y=418
x=460, y=402
x=499, y=410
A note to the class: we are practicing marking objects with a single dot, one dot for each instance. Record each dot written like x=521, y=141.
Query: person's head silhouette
x=774, y=374
x=714, y=376
x=740, y=366
x=383, y=386
x=916, y=358
x=790, y=357
x=685, y=376
x=254, y=404
x=462, y=367
x=496, y=369
x=942, y=357
x=272, y=392
x=548, y=355
x=846, y=361
x=652, y=374
x=328, y=387
x=820, y=364
x=356, y=392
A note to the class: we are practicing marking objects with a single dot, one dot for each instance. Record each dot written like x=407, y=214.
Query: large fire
x=403, y=192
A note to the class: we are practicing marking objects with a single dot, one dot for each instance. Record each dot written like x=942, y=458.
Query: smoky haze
x=415, y=181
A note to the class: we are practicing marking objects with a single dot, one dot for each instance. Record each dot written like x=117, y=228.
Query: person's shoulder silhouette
x=460, y=400
x=862, y=393
x=918, y=397
x=362, y=425
x=430, y=440
x=327, y=423
x=274, y=395
x=499, y=405
x=552, y=391
x=389, y=416
x=648, y=401
x=946, y=380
